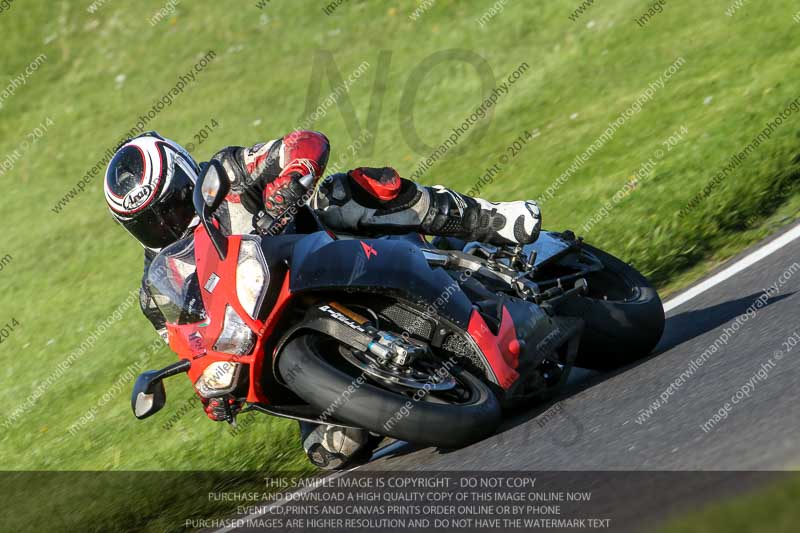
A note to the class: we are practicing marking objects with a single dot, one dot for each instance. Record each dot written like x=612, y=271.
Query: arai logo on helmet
x=136, y=197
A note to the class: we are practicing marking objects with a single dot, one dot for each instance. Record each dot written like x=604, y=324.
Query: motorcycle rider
x=149, y=183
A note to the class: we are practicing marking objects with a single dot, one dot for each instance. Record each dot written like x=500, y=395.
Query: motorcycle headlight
x=251, y=276
x=218, y=378
x=236, y=337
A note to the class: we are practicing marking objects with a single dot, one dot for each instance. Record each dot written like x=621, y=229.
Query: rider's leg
x=377, y=200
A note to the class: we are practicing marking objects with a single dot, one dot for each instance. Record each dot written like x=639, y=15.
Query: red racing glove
x=286, y=193
x=221, y=409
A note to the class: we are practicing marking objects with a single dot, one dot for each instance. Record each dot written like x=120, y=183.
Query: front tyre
x=432, y=420
x=623, y=314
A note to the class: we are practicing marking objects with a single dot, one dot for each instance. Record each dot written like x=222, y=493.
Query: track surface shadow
x=690, y=324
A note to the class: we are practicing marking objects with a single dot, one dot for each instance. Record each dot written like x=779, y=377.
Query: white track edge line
x=740, y=265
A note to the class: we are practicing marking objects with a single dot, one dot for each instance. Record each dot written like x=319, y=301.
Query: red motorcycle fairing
x=501, y=350
x=195, y=342
x=217, y=280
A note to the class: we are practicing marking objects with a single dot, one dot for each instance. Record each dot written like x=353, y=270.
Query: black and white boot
x=476, y=219
x=378, y=201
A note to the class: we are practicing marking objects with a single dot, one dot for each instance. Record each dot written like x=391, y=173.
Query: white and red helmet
x=148, y=187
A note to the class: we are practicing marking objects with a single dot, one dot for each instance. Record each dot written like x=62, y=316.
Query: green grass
x=770, y=510
x=70, y=271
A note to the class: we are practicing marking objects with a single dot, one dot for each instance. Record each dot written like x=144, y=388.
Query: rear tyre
x=430, y=421
x=623, y=314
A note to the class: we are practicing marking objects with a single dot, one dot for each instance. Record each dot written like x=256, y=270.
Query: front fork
x=387, y=347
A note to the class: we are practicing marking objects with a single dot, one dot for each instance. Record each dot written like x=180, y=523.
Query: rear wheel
x=461, y=413
x=623, y=314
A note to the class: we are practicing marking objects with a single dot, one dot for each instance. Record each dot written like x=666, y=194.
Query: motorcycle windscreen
x=172, y=282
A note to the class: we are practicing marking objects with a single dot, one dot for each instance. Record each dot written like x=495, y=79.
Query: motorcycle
x=426, y=342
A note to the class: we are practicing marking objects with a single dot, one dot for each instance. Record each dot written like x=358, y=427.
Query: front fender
x=548, y=244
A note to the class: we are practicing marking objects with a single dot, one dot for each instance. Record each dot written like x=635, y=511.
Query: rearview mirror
x=210, y=191
x=214, y=185
x=148, y=395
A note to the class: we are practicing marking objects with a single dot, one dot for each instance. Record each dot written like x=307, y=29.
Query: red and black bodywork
x=308, y=268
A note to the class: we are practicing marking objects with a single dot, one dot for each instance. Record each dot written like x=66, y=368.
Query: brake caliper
x=389, y=348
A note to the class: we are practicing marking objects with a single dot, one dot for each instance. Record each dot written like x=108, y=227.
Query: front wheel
x=622, y=311
x=313, y=368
